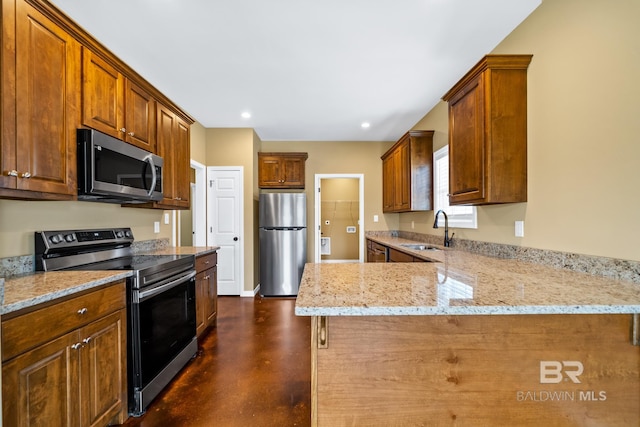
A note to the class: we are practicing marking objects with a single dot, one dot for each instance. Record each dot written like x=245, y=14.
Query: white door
x=225, y=213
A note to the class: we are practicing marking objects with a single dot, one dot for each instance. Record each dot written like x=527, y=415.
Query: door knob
x=235, y=239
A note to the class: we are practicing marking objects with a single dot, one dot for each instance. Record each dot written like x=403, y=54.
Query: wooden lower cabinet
x=376, y=252
x=72, y=378
x=206, y=292
x=500, y=370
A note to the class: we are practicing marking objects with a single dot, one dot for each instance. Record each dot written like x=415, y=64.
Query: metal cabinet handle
x=123, y=130
x=131, y=134
x=83, y=310
x=76, y=346
x=86, y=340
x=12, y=173
x=26, y=175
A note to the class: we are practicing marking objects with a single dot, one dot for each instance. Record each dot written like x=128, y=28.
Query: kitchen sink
x=419, y=247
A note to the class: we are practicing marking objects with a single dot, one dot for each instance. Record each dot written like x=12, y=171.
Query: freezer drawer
x=283, y=254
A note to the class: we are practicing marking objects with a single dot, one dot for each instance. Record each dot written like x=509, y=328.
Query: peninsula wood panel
x=474, y=370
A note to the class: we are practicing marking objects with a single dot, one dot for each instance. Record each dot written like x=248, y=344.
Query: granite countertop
x=35, y=288
x=457, y=283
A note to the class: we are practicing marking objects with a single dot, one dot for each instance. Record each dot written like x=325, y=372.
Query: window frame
x=459, y=216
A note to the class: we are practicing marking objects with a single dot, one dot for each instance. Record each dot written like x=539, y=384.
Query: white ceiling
x=306, y=70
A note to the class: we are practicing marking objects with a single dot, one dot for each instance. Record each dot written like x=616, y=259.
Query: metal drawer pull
x=12, y=173
x=76, y=346
x=26, y=175
x=86, y=340
x=83, y=310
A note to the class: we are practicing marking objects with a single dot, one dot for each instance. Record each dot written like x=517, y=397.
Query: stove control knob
x=119, y=234
x=69, y=238
x=57, y=238
x=128, y=233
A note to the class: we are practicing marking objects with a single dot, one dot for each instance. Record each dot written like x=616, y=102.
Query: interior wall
x=19, y=220
x=236, y=147
x=343, y=158
x=339, y=209
x=583, y=154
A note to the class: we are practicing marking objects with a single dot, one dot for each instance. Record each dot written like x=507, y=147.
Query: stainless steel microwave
x=111, y=170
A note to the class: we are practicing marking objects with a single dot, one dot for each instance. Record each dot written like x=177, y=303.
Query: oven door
x=162, y=337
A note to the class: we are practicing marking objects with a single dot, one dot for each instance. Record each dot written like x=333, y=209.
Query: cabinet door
x=40, y=387
x=212, y=294
x=140, y=117
x=165, y=132
x=173, y=146
x=182, y=164
x=388, y=184
x=102, y=371
x=201, y=302
x=402, y=181
x=293, y=175
x=47, y=104
x=466, y=144
x=102, y=95
x=269, y=171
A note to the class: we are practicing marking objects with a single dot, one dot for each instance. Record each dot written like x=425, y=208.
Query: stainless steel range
x=161, y=332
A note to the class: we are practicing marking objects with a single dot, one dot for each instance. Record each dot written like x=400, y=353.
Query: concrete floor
x=253, y=369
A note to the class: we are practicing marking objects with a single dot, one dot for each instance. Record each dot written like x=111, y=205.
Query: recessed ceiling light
x=365, y=125
x=246, y=115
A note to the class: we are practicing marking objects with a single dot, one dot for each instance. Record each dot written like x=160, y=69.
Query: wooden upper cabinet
x=102, y=95
x=116, y=105
x=40, y=106
x=488, y=132
x=173, y=146
x=140, y=117
x=407, y=173
x=281, y=170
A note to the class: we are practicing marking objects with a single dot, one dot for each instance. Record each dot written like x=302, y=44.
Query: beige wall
x=583, y=127
x=238, y=147
x=344, y=157
x=19, y=219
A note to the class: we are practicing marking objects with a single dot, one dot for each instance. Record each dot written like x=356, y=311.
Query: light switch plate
x=375, y=218
x=166, y=218
x=156, y=226
x=519, y=228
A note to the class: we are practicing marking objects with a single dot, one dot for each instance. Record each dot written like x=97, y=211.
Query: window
x=459, y=216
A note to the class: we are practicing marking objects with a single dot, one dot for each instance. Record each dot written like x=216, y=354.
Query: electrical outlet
x=351, y=229
x=413, y=225
x=166, y=218
x=156, y=226
x=375, y=218
x=519, y=228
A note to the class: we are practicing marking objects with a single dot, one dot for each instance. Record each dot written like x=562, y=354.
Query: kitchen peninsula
x=470, y=340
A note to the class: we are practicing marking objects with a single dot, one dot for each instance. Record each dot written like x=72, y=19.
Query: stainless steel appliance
x=283, y=242
x=161, y=312
x=110, y=170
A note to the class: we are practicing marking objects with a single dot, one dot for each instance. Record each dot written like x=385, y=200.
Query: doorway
x=191, y=225
x=225, y=213
x=339, y=214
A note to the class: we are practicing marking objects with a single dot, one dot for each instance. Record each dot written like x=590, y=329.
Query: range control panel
x=47, y=242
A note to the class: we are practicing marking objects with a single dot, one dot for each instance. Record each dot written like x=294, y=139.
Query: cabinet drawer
x=397, y=256
x=29, y=330
x=204, y=262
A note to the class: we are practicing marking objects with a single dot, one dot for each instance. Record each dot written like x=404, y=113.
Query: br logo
x=554, y=371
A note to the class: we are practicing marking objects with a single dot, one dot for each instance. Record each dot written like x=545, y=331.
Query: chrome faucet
x=447, y=239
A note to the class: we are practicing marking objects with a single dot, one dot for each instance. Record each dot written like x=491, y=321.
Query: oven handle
x=142, y=295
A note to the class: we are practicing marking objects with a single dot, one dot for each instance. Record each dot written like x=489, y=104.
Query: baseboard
x=252, y=293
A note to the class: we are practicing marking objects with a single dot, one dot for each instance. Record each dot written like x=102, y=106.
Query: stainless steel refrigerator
x=283, y=242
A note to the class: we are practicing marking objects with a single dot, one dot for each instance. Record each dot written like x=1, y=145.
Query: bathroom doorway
x=339, y=213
